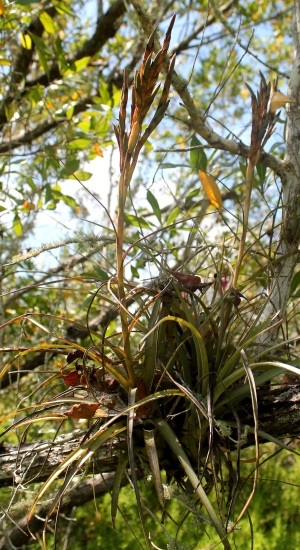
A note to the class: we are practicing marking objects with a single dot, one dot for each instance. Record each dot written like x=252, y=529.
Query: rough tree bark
x=279, y=409
x=279, y=415
x=287, y=255
x=22, y=534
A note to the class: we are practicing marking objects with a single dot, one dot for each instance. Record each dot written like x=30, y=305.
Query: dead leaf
x=98, y=150
x=82, y=410
x=28, y=206
x=72, y=378
x=279, y=100
x=190, y=282
x=210, y=189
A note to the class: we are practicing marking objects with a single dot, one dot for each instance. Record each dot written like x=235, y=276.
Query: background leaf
x=198, y=158
x=210, y=189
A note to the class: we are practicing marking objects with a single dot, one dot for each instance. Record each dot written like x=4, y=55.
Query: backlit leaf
x=173, y=216
x=70, y=112
x=47, y=22
x=81, y=143
x=198, y=158
x=41, y=51
x=104, y=93
x=81, y=175
x=69, y=201
x=210, y=188
x=81, y=63
x=136, y=221
x=154, y=204
x=17, y=225
x=28, y=206
x=26, y=41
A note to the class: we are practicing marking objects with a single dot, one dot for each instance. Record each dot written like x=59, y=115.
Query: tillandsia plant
x=144, y=91
x=160, y=385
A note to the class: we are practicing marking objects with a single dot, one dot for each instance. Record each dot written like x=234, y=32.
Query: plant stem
x=123, y=184
x=249, y=185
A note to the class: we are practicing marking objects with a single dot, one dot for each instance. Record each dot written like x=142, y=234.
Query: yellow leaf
x=244, y=93
x=28, y=206
x=26, y=41
x=47, y=22
x=210, y=189
x=1, y=8
x=98, y=150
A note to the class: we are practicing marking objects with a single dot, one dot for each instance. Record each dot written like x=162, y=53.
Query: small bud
x=279, y=100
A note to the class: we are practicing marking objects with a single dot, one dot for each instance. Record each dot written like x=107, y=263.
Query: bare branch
x=91, y=488
x=185, y=43
x=34, y=462
x=23, y=60
x=198, y=121
x=30, y=136
x=106, y=27
x=279, y=415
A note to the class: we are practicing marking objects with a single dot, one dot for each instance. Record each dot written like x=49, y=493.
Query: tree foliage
x=151, y=330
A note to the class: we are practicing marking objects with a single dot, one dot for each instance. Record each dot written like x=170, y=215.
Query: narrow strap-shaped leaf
x=123, y=460
x=154, y=464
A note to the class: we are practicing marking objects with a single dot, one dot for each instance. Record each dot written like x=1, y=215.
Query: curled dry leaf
x=210, y=189
x=82, y=410
x=279, y=100
x=190, y=282
x=72, y=378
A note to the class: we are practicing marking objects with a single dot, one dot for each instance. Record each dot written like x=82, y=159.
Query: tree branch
x=30, y=136
x=106, y=28
x=287, y=254
x=21, y=535
x=35, y=462
x=22, y=62
x=279, y=415
x=198, y=121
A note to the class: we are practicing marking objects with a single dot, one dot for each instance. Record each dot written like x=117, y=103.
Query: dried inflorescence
x=263, y=120
x=264, y=106
x=144, y=91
